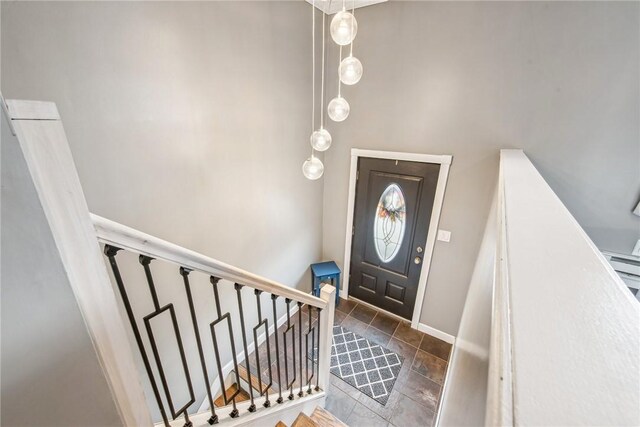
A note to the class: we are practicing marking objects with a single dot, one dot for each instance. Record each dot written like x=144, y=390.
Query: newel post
x=328, y=294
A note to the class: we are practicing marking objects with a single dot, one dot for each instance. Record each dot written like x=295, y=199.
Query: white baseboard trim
x=445, y=386
x=436, y=333
x=226, y=369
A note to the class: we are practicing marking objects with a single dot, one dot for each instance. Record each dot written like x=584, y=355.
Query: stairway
x=319, y=418
x=244, y=385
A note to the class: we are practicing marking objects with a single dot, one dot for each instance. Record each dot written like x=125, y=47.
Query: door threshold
x=388, y=313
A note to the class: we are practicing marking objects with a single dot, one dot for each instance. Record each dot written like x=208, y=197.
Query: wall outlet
x=444, y=235
x=636, y=249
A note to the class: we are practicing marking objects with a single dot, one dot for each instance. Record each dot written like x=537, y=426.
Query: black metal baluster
x=111, y=252
x=238, y=288
x=184, y=272
x=312, y=332
x=265, y=322
x=300, y=393
x=293, y=345
x=319, y=353
x=234, y=413
x=145, y=261
x=274, y=297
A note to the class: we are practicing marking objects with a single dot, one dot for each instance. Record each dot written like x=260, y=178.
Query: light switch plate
x=444, y=235
x=636, y=249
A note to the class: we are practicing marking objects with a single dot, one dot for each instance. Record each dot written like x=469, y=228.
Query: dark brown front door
x=393, y=205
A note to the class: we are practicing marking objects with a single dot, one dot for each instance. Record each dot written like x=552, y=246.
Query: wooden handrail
x=121, y=236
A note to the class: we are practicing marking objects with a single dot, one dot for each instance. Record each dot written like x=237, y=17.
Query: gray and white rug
x=365, y=365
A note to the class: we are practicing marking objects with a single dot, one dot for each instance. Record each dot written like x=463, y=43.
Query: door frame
x=445, y=162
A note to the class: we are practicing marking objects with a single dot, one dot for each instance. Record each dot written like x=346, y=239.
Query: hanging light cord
x=313, y=66
x=324, y=15
x=339, y=82
x=344, y=7
x=353, y=13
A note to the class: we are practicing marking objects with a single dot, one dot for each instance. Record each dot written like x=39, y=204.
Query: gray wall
x=51, y=375
x=559, y=80
x=189, y=121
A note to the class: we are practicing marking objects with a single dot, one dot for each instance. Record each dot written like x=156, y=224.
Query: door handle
x=417, y=260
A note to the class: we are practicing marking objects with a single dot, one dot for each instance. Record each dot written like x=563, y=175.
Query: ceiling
x=332, y=6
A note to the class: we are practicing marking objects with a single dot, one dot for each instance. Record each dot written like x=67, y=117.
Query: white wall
x=189, y=121
x=558, y=79
x=51, y=375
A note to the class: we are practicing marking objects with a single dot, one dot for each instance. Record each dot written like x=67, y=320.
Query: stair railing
x=40, y=134
x=305, y=359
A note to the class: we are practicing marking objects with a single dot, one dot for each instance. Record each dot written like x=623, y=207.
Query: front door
x=394, y=201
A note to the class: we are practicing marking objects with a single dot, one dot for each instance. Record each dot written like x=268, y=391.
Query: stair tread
x=244, y=374
x=324, y=418
x=241, y=397
x=303, y=420
x=281, y=424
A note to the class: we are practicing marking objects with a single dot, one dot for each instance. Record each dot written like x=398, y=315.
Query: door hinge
x=357, y=175
x=353, y=230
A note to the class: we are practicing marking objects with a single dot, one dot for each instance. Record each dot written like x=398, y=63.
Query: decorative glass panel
x=389, y=225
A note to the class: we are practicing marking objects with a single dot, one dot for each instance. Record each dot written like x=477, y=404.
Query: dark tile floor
x=415, y=398
x=416, y=394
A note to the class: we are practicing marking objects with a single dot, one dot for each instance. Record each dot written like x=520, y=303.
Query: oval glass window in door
x=389, y=224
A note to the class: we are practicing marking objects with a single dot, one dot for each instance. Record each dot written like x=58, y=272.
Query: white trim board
x=422, y=327
x=445, y=163
x=46, y=151
x=436, y=333
x=445, y=384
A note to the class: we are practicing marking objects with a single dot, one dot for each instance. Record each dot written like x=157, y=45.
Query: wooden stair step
x=324, y=418
x=281, y=424
x=303, y=420
x=241, y=397
x=242, y=371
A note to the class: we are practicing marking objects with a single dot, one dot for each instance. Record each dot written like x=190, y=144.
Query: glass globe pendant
x=350, y=70
x=312, y=168
x=321, y=140
x=343, y=28
x=338, y=109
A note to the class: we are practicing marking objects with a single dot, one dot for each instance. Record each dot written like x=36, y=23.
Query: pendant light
x=350, y=69
x=312, y=168
x=321, y=138
x=343, y=27
x=338, y=108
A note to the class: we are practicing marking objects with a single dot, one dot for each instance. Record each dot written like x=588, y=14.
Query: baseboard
x=446, y=385
x=226, y=369
x=436, y=333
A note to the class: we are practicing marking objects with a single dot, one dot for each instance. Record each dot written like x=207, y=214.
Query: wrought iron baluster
x=145, y=261
x=319, y=351
x=238, y=288
x=184, y=272
x=312, y=332
x=293, y=348
x=274, y=297
x=300, y=393
x=111, y=252
x=263, y=391
x=234, y=413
